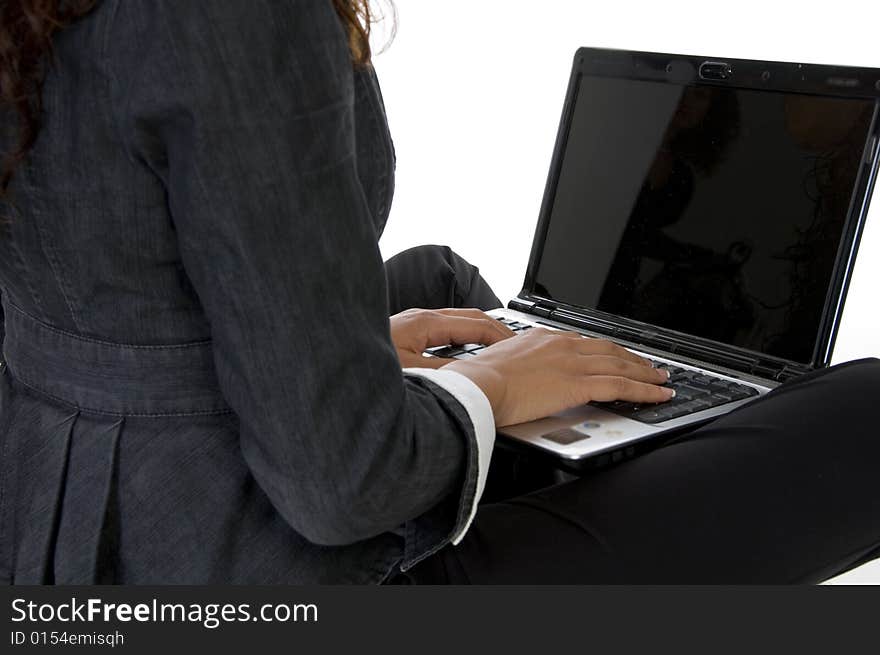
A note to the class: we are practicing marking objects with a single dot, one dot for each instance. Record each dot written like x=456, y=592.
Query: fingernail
x=668, y=374
x=671, y=393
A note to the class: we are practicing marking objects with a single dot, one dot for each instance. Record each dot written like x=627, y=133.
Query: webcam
x=715, y=70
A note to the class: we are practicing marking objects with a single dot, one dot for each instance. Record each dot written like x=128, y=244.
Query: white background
x=474, y=91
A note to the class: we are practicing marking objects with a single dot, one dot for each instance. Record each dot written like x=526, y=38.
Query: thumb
x=456, y=329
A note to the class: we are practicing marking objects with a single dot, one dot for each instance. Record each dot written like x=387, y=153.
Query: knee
x=861, y=376
x=866, y=366
x=431, y=255
x=452, y=281
x=435, y=260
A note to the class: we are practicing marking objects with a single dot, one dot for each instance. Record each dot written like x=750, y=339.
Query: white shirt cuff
x=479, y=411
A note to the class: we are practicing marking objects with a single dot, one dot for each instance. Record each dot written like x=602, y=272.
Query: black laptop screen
x=713, y=211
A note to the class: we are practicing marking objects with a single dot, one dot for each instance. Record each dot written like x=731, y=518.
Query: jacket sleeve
x=244, y=110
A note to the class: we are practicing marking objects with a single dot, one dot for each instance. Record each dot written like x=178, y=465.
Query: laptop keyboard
x=695, y=391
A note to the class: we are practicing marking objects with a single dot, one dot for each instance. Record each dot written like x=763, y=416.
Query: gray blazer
x=200, y=384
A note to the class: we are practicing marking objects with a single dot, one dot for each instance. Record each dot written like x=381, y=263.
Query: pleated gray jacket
x=199, y=384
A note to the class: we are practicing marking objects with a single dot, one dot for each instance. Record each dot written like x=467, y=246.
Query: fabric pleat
x=85, y=528
x=37, y=474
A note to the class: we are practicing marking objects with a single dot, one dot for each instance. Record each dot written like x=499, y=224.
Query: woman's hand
x=415, y=330
x=542, y=372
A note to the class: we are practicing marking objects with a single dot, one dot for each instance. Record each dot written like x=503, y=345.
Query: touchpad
x=565, y=436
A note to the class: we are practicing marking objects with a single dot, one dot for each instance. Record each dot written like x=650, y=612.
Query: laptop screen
x=712, y=211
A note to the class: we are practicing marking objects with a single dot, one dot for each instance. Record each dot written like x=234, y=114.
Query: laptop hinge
x=791, y=371
x=762, y=370
x=779, y=371
x=543, y=309
x=521, y=305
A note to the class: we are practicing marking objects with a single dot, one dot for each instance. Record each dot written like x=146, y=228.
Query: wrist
x=490, y=382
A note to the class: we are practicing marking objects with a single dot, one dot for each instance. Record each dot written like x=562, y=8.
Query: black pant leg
x=783, y=490
x=435, y=277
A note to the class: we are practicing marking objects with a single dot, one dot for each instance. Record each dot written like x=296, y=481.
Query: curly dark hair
x=26, y=30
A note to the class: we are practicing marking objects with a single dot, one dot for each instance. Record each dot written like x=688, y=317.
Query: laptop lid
x=710, y=207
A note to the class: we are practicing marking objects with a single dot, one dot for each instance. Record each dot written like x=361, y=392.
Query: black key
x=689, y=392
x=678, y=376
x=447, y=352
x=719, y=387
x=649, y=415
x=666, y=412
x=454, y=351
x=674, y=412
x=691, y=407
x=741, y=393
x=705, y=402
x=621, y=407
x=682, y=393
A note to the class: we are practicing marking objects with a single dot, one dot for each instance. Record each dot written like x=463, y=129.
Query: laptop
x=705, y=213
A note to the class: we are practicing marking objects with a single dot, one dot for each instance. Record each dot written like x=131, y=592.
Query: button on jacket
x=200, y=384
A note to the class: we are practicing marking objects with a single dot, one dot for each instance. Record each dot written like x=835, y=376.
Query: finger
x=433, y=362
x=593, y=346
x=598, y=346
x=452, y=329
x=606, y=388
x=469, y=312
x=618, y=367
x=541, y=331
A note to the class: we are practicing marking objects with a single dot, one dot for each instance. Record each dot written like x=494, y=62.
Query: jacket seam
x=49, y=251
x=99, y=342
x=89, y=410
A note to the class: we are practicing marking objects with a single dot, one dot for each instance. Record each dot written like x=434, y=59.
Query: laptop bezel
x=815, y=79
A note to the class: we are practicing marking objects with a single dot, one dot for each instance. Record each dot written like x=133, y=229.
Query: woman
x=203, y=384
